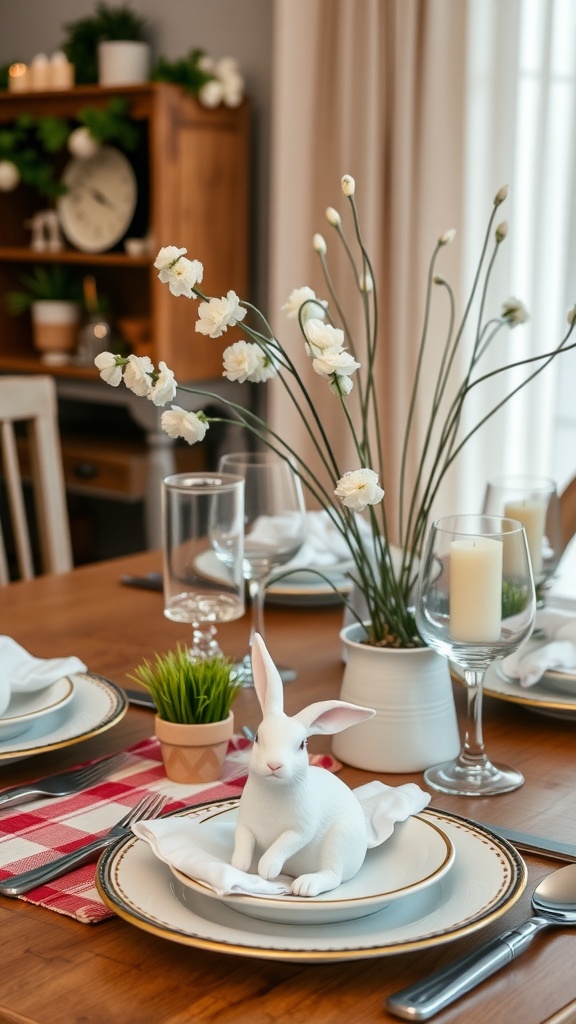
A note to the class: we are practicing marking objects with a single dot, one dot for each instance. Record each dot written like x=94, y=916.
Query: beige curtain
x=375, y=89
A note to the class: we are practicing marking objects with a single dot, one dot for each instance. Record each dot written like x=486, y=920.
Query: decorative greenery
x=111, y=124
x=47, y=281
x=384, y=573
x=81, y=42
x=187, y=72
x=189, y=692
x=29, y=144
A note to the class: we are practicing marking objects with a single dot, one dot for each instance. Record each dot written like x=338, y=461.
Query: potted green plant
x=53, y=294
x=194, y=720
x=109, y=47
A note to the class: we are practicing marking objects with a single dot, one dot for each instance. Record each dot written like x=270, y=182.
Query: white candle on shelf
x=40, y=72
x=61, y=71
x=476, y=589
x=18, y=78
x=532, y=514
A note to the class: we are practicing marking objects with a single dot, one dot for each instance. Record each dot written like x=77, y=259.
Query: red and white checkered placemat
x=32, y=833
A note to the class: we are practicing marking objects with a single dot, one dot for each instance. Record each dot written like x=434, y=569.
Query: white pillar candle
x=61, y=71
x=476, y=589
x=532, y=514
x=39, y=71
x=18, y=78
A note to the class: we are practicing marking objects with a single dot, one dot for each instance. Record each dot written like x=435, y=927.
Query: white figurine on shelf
x=294, y=817
x=46, y=233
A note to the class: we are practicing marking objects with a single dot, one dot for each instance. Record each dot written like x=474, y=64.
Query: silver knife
x=530, y=843
x=140, y=697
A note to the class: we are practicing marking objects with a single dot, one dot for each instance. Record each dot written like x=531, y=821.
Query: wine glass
x=475, y=603
x=534, y=503
x=275, y=529
x=203, y=547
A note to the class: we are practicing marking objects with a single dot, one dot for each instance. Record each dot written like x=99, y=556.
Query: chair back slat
x=33, y=400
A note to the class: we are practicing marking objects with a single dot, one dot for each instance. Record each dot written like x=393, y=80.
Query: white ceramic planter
x=415, y=724
x=55, y=329
x=123, y=62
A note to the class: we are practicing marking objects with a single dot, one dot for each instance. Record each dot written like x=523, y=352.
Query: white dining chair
x=32, y=400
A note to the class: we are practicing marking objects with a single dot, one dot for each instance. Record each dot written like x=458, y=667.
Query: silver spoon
x=553, y=902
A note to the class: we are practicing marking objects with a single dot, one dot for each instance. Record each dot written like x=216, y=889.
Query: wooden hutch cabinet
x=192, y=171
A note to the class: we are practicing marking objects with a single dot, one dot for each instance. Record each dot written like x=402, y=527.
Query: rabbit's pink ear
x=329, y=716
x=267, y=681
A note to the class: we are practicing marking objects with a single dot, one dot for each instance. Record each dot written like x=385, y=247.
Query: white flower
x=514, y=312
x=322, y=337
x=340, y=363
x=211, y=94
x=179, y=423
x=217, y=315
x=319, y=244
x=179, y=273
x=304, y=299
x=110, y=369
x=9, y=176
x=333, y=217
x=341, y=385
x=138, y=375
x=245, y=361
x=359, y=488
x=447, y=237
x=164, y=387
x=348, y=185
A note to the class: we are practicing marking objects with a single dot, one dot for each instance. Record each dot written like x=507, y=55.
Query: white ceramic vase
x=415, y=724
x=123, y=62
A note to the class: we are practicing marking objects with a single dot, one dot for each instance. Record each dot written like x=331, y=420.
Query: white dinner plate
x=415, y=856
x=301, y=586
x=487, y=878
x=25, y=709
x=536, y=698
x=96, y=705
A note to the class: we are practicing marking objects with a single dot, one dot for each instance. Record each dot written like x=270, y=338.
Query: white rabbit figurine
x=294, y=817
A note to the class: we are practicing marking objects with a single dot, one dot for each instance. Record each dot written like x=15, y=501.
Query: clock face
x=96, y=211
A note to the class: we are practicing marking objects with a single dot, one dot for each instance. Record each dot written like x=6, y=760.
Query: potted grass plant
x=53, y=295
x=194, y=719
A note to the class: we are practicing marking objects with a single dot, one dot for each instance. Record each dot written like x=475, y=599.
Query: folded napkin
x=324, y=546
x=559, y=627
x=204, y=855
x=20, y=672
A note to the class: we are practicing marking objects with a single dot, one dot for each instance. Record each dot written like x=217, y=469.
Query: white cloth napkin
x=324, y=546
x=204, y=854
x=559, y=627
x=20, y=672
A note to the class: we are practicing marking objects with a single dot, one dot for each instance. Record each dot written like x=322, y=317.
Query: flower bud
x=348, y=185
x=501, y=195
x=438, y=279
x=319, y=244
x=502, y=231
x=447, y=237
x=333, y=217
x=571, y=315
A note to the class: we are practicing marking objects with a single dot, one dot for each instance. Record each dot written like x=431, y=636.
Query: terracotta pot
x=194, y=753
x=415, y=724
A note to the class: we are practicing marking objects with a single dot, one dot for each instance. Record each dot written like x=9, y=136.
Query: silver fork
x=150, y=806
x=62, y=784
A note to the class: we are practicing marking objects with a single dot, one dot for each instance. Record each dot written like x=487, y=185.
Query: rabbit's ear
x=329, y=716
x=267, y=681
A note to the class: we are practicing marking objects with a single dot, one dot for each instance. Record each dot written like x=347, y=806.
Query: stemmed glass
x=534, y=503
x=203, y=548
x=475, y=603
x=275, y=529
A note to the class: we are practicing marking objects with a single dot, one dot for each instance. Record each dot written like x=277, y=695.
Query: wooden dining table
x=54, y=968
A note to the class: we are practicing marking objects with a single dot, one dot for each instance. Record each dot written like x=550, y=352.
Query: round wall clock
x=96, y=210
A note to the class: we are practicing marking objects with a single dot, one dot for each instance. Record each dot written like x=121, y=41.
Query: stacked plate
x=438, y=877
x=553, y=695
x=66, y=712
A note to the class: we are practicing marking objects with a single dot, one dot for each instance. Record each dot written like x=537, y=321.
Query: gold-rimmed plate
x=96, y=705
x=26, y=709
x=539, y=698
x=416, y=855
x=487, y=878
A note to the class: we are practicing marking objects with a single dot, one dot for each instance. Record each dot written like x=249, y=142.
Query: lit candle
x=532, y=515
x=476, y=589
x=18, y=78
